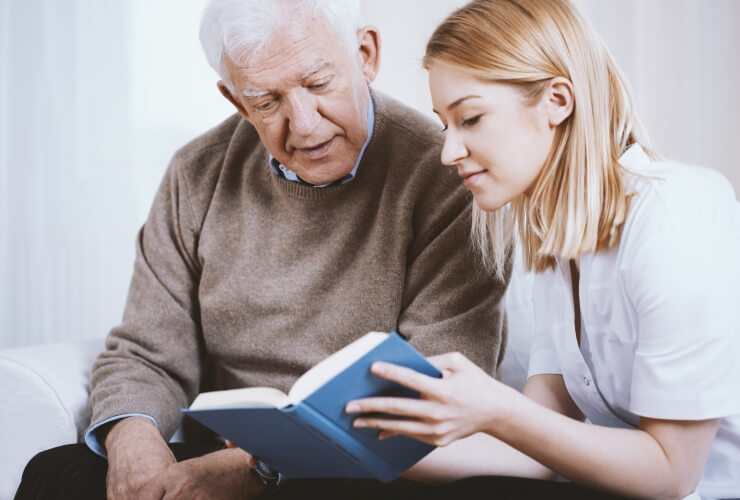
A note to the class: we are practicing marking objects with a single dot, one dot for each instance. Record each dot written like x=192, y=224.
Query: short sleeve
x=682, y=275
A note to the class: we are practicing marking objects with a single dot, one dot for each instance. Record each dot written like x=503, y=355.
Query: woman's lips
x=472, y=178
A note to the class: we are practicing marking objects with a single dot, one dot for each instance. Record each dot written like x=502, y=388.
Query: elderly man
x=317, y=213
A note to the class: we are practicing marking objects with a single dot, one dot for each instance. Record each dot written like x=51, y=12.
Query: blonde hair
x=579, y=202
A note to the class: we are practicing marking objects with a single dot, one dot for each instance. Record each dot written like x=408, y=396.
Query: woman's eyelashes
x=468, y=122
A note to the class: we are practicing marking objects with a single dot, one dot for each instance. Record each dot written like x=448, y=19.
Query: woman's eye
x=471, y=121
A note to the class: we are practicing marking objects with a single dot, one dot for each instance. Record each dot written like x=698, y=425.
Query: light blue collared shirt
x=283, y=171
x=94, y=441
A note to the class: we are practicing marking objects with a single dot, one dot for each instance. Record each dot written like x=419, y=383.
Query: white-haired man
x=317, y=213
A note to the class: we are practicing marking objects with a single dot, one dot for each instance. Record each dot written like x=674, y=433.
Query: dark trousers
x=73, y=471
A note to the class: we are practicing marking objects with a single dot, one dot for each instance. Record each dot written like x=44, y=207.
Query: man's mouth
x=318, y=150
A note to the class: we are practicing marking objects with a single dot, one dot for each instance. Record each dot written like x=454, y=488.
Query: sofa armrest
x=44, y=394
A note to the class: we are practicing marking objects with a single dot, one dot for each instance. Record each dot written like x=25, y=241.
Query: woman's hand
x=464, y=401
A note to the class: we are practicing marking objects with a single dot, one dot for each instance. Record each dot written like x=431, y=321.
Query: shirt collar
x=634, y=157
x=285, y=172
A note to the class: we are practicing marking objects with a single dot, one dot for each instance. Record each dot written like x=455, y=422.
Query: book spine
x=340, y=439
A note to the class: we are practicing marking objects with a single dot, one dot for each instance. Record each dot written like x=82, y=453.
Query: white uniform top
x=660, y=334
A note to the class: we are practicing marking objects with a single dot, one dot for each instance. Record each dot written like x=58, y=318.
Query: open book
x=306, y=433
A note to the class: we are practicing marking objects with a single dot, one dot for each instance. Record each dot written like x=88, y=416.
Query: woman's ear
x=559, y=100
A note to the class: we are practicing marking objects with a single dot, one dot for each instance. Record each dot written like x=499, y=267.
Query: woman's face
x=495, y=138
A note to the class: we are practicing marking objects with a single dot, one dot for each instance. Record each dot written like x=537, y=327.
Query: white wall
x=682, y=58
x=95, y=97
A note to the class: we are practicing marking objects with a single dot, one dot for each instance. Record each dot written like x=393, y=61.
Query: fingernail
x=359, y=423
x=352, y=407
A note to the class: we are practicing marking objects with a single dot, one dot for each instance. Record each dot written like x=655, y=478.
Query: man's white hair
x=239, y=29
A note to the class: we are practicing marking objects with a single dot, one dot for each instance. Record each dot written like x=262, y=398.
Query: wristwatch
x=269, y=476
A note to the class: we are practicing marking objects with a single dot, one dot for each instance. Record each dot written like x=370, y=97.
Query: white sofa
x=44, y=388
x=44, y=393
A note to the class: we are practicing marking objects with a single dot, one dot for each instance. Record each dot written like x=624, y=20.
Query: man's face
x=308, y=97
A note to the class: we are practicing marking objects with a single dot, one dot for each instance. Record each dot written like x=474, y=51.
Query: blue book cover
x=306, y=433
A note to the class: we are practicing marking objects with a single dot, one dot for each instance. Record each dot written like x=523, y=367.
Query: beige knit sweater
x=252, y=279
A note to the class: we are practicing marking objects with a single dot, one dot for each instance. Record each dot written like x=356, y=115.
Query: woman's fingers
x=448, y=361
x=430, y=388
x=386, y=434
x=444, y=412
x=404, y=407
x=404, y=376
x=436, y=433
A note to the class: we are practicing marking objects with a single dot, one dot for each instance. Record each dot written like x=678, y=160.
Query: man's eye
x=471, y=121
x=318, y=86
x=264, y=106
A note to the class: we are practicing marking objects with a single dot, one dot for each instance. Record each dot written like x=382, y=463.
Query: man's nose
x=453, y=149
x=304, y=115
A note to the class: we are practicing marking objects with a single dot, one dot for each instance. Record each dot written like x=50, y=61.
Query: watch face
x=267, y=473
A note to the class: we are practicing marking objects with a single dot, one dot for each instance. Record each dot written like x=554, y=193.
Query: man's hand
x=137, y=453
x=142, y=466
x=224, y=474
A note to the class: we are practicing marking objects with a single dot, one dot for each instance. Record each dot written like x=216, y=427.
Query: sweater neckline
x=308, y=192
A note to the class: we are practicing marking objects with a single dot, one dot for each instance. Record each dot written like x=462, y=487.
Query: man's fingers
x=153, y=490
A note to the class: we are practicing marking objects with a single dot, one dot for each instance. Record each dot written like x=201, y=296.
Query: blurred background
x=96, y=95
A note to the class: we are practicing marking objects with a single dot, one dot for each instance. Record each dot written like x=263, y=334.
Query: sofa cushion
x=44, y=395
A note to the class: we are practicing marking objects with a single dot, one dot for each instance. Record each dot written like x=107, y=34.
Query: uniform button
x=586, y=381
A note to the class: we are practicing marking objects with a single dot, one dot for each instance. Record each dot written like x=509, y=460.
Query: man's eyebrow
x=459, y=101
x=252, y=93
x=315, y=68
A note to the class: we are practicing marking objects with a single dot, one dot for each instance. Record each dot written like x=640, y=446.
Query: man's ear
x=232, y=99
x=368, y=39
x=559, y=100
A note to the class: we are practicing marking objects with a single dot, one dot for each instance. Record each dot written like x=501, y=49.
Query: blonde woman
x=634, y=378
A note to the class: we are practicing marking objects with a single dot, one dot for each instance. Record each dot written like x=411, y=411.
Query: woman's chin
x=487, y=203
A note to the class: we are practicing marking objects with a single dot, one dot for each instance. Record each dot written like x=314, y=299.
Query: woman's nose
x=453, y=150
